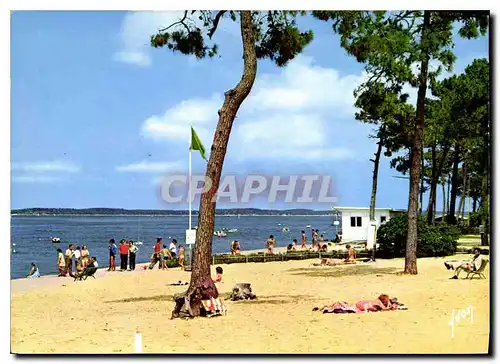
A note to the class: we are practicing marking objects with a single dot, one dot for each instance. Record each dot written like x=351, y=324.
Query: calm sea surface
x=31, y=235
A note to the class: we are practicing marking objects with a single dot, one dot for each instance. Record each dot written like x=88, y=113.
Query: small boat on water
x=286, y=230
x=55, y=240
x=220, y=234
x=308, y=226
x=138, y=243
x=232, y=230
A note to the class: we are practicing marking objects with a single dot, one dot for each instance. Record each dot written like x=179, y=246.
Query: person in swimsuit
x=61, y=263
x=303, y=243
x=351, y=254
x=85, y=256
x=270, y=244
x=181, y=256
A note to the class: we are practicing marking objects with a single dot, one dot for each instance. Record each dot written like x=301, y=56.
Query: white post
x=189, y=176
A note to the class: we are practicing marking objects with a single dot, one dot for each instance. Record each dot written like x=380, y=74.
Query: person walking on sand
x=69, y=260
x=123, y=255
x=303, y=243
x=164, y=256
x=132, y=251
x=112, y=255
x=270, y=242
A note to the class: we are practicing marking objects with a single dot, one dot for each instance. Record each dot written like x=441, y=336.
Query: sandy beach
x=102, y=315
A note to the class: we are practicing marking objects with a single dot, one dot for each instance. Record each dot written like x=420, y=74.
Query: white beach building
x=356, y=225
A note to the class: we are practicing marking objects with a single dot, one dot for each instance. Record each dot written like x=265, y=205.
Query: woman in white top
x=173, y=248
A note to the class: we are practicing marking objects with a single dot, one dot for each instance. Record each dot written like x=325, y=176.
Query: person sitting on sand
x=61, y=263
x=270, y=244
x=303, y=243
x=338, y=238
x=181, y=256
x=218, y=276
x=292, y=247
x=323, y=247
x=321, y=240
x=34, y=273
x=473, y=264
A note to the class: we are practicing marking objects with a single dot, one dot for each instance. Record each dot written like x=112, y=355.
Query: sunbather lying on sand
x=333, y=262
x=382, y=303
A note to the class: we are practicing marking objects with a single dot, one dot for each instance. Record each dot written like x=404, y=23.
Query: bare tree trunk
x=411, y=242
x=454, y=186
x=461, y=205
x=422, y=169
x=485, y=185
x=474, y=204
x=374, y=190
x=448, y=196
x=232, y=101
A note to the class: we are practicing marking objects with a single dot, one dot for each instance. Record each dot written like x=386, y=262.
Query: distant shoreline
x=161, y=215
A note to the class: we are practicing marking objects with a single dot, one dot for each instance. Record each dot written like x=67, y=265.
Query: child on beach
x=61, y=264
x=112, y=255
x=164, y=255
x=181, y=256
x=218, y=276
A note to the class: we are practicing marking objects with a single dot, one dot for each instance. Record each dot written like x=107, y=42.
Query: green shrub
x=433, y=241
x=173, y=263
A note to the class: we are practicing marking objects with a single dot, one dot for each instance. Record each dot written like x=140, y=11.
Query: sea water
x=31, y=235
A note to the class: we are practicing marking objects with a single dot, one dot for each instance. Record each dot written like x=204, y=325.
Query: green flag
x=196, y=144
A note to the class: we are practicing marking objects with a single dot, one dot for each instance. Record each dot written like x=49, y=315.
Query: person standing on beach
x=173, y=248
x=85, y=256
x=315, y=238
x=77, y=254
x=181, y=256
x=303, y=243
x=112, y=255
x=157, y=253
x=61, y=264
x=69, y=260
x=132, y=250
x=123, y=255
x=270, y=244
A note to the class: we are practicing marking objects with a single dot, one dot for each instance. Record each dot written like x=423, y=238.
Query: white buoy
x=13, y=244
x=14, y=251
x=138, y=342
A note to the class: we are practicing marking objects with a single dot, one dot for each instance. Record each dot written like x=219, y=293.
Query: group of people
x=79, y=255
x=128, y=252
x=161, y=254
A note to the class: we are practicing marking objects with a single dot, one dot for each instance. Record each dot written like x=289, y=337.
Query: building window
x=356, y=221
x=383, y=219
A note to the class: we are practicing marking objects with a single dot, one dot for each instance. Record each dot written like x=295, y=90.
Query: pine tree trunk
x=444, y=201
x=448, y=197
x=434, y=181
x=474, y=204
x=436, y=172
x=454, y=186
x=374, y=190
x=416, y=155
x=485, y=185
x=461, y=205
x=232, y=101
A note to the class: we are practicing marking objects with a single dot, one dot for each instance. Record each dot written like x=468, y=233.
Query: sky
x=98, y=117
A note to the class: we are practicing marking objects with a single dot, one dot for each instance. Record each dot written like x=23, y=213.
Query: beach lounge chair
x=87, y=272
x=478, y=272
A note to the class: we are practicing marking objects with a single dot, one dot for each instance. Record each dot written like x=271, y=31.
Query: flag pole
x=189, y=176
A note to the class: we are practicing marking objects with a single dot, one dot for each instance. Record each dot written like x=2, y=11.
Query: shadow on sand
x=164, y=297
x=342, y=271
x=275, y=300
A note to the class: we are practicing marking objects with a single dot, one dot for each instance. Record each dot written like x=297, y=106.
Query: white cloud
x=137, y=28
x=290, y=114
x=174, y=123
x=35, y=179
x=149, y=167
x=45, y=166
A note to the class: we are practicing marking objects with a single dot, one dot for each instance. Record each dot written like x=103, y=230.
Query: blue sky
x=97, y=116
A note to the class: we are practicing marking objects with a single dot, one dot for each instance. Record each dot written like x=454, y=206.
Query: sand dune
x=102, y=315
